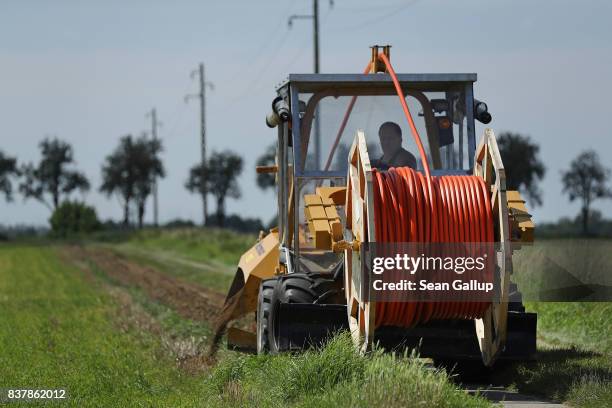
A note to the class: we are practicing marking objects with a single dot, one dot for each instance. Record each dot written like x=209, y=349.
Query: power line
x=260, y=73
x=256, y=56
x=259, y=54
x=378, y=19
x=302, y=47
x=315, y=19
x=178, y=115
x=254, y=84
x=368, y=9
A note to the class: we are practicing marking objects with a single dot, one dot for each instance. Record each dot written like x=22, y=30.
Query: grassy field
x=109, y=344
x=581, y=324
x=565, y=270
x=574, y=363
x=63, y=327
x=567, y=369
x=214, y=246
x=336, y=376
x=59, y=330
x=207, y=258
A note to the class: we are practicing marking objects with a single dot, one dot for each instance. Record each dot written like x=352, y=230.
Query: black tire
x=302, y=288
x=310, y=288
x=264, y=306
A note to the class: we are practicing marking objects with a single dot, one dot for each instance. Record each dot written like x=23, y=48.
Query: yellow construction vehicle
x=306, y=278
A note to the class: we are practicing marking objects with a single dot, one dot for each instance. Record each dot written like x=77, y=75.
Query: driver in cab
x=394, y=155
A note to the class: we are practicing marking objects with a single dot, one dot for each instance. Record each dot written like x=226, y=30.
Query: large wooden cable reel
x=359, y=220
x=491, y=328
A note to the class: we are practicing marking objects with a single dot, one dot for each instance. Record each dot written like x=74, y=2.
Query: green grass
x=574, y=349
x=208, y=245
x=586, y=325
x=565, y=270
x=181, y=337
x=574, y=359
x=63, y=328
x=208, y=257
x=562, y=374
x=170, y=321
x=58, y=331
x=214, y=276
x=336, y=376
x=574, y=362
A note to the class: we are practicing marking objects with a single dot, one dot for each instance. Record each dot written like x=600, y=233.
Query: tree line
x=585, y=180
x=130, y=171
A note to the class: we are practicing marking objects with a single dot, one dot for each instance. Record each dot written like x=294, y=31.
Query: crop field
x=127, y=320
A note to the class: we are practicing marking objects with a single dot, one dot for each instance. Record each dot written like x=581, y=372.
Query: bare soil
x=189, y=300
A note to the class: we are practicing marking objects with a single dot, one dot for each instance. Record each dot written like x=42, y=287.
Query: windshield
x=439, y=118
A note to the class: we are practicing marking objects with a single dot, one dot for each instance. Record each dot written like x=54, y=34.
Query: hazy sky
x=89, y=71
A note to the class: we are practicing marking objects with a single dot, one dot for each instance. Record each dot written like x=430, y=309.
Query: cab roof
x=437, y=81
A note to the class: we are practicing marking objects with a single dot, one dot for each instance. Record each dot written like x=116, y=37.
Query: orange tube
x=400, y=203
x=412, y=207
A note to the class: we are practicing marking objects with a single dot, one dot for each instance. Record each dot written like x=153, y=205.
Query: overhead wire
x=254, y=84
x=377, y=19
x=277, y=47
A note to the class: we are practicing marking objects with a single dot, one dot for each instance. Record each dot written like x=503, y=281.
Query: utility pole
x=315, y=29
x=202, y=96
x=154, y=123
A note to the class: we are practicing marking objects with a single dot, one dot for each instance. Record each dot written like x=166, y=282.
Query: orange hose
x=463, y=214
x=412, y=207
x=413, y=129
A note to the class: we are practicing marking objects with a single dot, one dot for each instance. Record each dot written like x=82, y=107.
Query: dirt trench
x=189, y=300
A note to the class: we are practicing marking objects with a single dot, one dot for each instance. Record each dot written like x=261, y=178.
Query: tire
x=310, y=288
x=302, y=288
x=264, y=303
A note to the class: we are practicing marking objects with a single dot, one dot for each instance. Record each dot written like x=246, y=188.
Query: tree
x=8, y=169
x=52, y=175
x=523, y=167
x=586, y=181
x=130, y=171
x=118, y=176
x=148, y=168
x=268, y=158
x=220, y=172
x=73, y=217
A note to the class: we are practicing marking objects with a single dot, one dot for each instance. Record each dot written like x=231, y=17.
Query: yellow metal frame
x=258, y=263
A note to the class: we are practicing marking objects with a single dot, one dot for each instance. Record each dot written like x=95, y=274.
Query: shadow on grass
x=557, y=374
